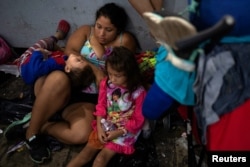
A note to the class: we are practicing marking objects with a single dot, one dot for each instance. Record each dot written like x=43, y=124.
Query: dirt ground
x=165, y=148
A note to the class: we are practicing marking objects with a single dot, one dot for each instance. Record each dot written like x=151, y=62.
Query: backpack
x=5, y=51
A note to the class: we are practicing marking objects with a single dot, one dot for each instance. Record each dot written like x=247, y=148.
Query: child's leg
x=49, y=43
x=88, y=152
x=103, y=157
x=45, y=43
x=85, y=156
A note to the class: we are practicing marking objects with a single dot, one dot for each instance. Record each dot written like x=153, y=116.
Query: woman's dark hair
x=116, y=14
x=123, y=60
x=81, y=78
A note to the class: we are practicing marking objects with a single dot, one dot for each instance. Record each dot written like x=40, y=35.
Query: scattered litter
x=10, y=69
x=1, y=131
x=184, y=134
x=16, y=147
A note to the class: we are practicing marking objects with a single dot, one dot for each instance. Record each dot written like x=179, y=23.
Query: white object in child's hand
x=106, y=125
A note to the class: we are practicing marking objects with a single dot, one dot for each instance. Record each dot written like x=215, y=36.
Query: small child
x=121, y=95
x=46, y=56
x=32, y=64
x=41, y=62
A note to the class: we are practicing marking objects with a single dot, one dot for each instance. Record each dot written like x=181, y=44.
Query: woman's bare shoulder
x=129, y=41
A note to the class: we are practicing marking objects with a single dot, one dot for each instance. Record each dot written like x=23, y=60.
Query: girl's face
x=105, y=32
x=117, y=78
x=74, y=61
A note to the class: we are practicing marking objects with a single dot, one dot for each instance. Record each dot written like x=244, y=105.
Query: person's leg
x=157, y=4
x=103, y=157
x=77, y=125
x=49, y=43
x=146, y=7
x=52, y=94
x=51, y=97
x=85, y=156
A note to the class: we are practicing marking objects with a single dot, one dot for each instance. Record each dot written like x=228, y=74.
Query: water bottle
x=106, y=125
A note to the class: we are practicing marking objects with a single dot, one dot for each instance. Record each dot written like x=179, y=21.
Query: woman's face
x=105, y=31
x=75, y=62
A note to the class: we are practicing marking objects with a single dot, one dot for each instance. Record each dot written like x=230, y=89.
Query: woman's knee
x=58, y=84
x=80, y=137
x=38, y=84
x=58, y=79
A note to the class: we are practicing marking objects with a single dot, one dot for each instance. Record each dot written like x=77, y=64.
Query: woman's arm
x=97, y=47
x=77, y=40
x=74, y=45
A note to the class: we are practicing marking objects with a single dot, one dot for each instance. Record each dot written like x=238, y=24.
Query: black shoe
x=37, y=146
x=53, y=144
x=17, y=129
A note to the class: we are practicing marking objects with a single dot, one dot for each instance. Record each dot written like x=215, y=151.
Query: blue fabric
x=212, y=11
x=37, y=67
x=173, y=81
x=156, y=103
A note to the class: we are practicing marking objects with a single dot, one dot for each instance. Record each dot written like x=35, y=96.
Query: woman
x=53, y=92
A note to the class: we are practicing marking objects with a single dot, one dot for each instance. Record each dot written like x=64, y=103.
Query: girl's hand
x=111, y=135
x=102, y=135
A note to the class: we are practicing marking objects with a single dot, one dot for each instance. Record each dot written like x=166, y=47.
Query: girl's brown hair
x=123, y=60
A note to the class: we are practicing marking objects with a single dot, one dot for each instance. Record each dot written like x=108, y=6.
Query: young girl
x=123, y=111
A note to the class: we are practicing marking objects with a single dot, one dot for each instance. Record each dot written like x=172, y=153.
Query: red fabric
x=58, y=57
x=183, y=112
x=5, y=51
x=232, y=132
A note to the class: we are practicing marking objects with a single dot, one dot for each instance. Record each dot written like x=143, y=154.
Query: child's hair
x=81, y=78
x=123, y=60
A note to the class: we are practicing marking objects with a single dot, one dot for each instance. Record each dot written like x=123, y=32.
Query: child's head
x=122, y=68
x=79, y=72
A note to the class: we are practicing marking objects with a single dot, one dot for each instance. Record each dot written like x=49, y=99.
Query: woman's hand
x=97, y=47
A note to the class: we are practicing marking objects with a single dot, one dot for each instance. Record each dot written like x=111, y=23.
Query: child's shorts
x=94, y=141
